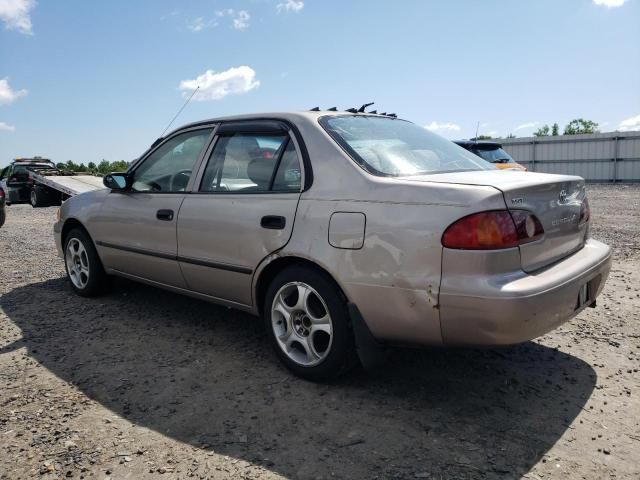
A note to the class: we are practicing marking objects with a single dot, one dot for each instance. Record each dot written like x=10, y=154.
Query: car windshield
x=497, y=155
x=392, y=147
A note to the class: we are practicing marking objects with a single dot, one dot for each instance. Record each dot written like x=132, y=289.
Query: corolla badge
x=563, y=196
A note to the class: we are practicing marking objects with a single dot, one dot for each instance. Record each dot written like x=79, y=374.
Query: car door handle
x=273, y=222
x=166, y=215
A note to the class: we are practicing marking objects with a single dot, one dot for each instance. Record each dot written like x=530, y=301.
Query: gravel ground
x=141, y=383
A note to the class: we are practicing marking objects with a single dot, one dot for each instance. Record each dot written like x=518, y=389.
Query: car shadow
x=204, y=375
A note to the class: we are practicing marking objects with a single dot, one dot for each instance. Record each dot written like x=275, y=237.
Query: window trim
x=290, y=137
x=151, y=151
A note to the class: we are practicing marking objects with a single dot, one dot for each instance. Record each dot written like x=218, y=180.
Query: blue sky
x=86, y=80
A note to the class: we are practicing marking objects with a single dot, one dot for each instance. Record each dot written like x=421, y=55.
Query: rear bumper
x=496, y=309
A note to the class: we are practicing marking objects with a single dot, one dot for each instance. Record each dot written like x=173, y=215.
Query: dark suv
x=16, y=181
x=491, y=152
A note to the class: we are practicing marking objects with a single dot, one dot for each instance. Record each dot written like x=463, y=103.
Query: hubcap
x=301, y=323
x=77, y=263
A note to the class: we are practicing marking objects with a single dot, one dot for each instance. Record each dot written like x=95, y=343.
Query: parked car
x=3, y=212
x=491, y=152
x=16, y=179
x=344, y=232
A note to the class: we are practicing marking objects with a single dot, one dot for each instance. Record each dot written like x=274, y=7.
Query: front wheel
x=308, y=324
x=84, y=268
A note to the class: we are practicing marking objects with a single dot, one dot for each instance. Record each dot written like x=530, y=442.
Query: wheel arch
x=70, y=224
x=268, y=272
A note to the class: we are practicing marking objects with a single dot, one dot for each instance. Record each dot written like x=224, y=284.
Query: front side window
x=393, y=147
x=246, y=163
x=168, y=169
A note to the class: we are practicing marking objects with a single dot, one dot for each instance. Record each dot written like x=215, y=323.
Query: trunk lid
x=555, y=199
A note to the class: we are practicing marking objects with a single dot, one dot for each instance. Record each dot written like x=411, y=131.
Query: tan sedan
x=345, y=232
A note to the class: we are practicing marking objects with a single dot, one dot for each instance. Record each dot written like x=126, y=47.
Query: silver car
x=345, y=232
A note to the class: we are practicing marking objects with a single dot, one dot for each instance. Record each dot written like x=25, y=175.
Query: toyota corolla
x=343, y=231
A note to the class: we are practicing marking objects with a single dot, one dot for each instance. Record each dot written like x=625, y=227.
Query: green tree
x=71, y=166
x=60, y=166
x=119, y=166
x=104, y=167
x=580, y=126
x=92, y=167
x=555, y=130
x=543, y=131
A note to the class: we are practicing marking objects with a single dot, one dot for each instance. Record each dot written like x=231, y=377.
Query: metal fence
x=598, y=157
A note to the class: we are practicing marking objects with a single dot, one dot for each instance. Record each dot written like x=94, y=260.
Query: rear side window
x=393, y=147
x=246, y=163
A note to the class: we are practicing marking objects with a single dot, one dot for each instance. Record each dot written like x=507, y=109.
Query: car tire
x=3, y=216
x=313, y=336
x=82, y=264
x=38, y=197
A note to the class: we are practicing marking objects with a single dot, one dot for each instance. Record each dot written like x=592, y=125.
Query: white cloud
x=7, y=94
x=6, y=127
x=16, y=15
x=214, y=86
x=526, y=125
x=630, y=124
x=198, y=24
x=241, y=20
x=442, y=127
x=609, y=3
x=290, y=6
x=240, y=17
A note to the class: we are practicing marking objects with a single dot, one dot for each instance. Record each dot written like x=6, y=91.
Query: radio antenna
x=180, y=111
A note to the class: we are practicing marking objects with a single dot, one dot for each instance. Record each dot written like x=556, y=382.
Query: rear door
x=243, y=210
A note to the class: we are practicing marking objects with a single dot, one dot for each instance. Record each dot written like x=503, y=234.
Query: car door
x=135, y=230
x=243, y=210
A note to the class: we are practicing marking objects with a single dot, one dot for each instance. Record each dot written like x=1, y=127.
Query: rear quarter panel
x=394, y=278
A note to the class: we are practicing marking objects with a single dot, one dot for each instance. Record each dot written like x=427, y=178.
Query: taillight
x=585, y=212
x=1, y=193
x=493, y=230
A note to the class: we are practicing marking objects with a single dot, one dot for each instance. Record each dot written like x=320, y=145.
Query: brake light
x=493, y=230
x=1, y=193
x=585, y=212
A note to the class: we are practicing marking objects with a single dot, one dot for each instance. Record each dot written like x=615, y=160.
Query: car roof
x=479, y=144
x=291, y=117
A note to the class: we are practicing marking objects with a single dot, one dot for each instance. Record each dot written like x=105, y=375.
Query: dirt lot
x=144, y=383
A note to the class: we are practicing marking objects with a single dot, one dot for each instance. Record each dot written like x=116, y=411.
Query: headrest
x=260, y=170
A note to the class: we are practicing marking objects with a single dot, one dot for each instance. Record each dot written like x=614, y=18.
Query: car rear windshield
x=497, y=155
x=393, y=147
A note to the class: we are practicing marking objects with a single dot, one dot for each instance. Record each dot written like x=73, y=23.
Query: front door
x=135, y=231
x=242, y=211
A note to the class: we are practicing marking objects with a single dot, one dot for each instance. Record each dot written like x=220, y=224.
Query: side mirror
x=116, y=181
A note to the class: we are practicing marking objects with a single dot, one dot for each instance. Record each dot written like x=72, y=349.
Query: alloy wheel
x=77, y=263
x=301, y=323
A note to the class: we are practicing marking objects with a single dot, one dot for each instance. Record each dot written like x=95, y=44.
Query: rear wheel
x=3, y=216
x=84, y=268
x=38, y=197
x=308, y=324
